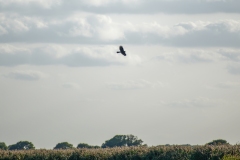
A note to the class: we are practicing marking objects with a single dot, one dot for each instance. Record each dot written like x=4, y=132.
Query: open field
x=226, y=152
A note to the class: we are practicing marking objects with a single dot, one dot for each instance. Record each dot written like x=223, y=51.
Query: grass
x=229, y=157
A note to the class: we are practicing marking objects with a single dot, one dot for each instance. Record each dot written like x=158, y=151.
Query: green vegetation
x=218, y=142
x=207, y=152
x=3, y=146
x=22, y=145
x=231, y=158
x=63, y=145
x=122, y=147
x=122, y=140
x=84, y=145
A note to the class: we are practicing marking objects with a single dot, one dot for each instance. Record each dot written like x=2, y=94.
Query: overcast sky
x=62, y=80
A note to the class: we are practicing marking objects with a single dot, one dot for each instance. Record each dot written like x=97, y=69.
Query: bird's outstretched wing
x=124, y=53
x=122, y=50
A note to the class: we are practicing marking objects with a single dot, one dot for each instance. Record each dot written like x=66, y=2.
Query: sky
x=61, y=79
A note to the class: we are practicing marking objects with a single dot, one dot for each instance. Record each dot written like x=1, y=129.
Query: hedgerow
x=226, y=152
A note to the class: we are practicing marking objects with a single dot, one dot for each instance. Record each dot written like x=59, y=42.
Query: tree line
x=116, y=141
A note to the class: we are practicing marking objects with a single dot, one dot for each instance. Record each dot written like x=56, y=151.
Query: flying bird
x=121, y=50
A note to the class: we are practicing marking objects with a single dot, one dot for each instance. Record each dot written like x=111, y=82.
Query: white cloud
x=43, y=3
x=102, y=29
x=82, y=28
x=74, y=56
x=97, y=2
x=189, y=56
x=228, y=85
x=197, y=102
x=11, y=49
x=160, y=30
x=199, y=55
x=26, y=75
x=110, y=32
x=55, y=51
x=99, y=25
x=218, y=26
x=71, y=85
x=2, y=30
x=15, y=24
x=134, y=84
x=120, y=6
x=234, y=68
x=226, y=25
x=107, y=2
x=230, y=54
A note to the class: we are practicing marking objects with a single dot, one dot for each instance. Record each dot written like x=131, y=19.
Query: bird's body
x=121, y=51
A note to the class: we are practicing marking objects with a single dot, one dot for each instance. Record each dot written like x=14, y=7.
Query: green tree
x=63, y=145
x=3, y=146
x=22, y=145
x=133, y=140
x=84, y=145
x=218, y=142
x=122, y=140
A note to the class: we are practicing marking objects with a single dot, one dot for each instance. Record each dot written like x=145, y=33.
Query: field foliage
x=226, y=152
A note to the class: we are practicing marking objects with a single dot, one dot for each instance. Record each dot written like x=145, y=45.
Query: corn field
x=225, y=152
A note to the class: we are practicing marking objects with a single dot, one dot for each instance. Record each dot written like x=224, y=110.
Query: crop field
x=225, y=152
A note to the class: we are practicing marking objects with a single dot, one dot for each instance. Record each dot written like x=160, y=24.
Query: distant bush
x=84, y=145
x=21, y=145
x=122, y=141
x=3, y=146
x=63, y=145
x=218, y=142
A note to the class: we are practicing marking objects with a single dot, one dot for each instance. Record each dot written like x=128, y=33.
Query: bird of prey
x=121, y=51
